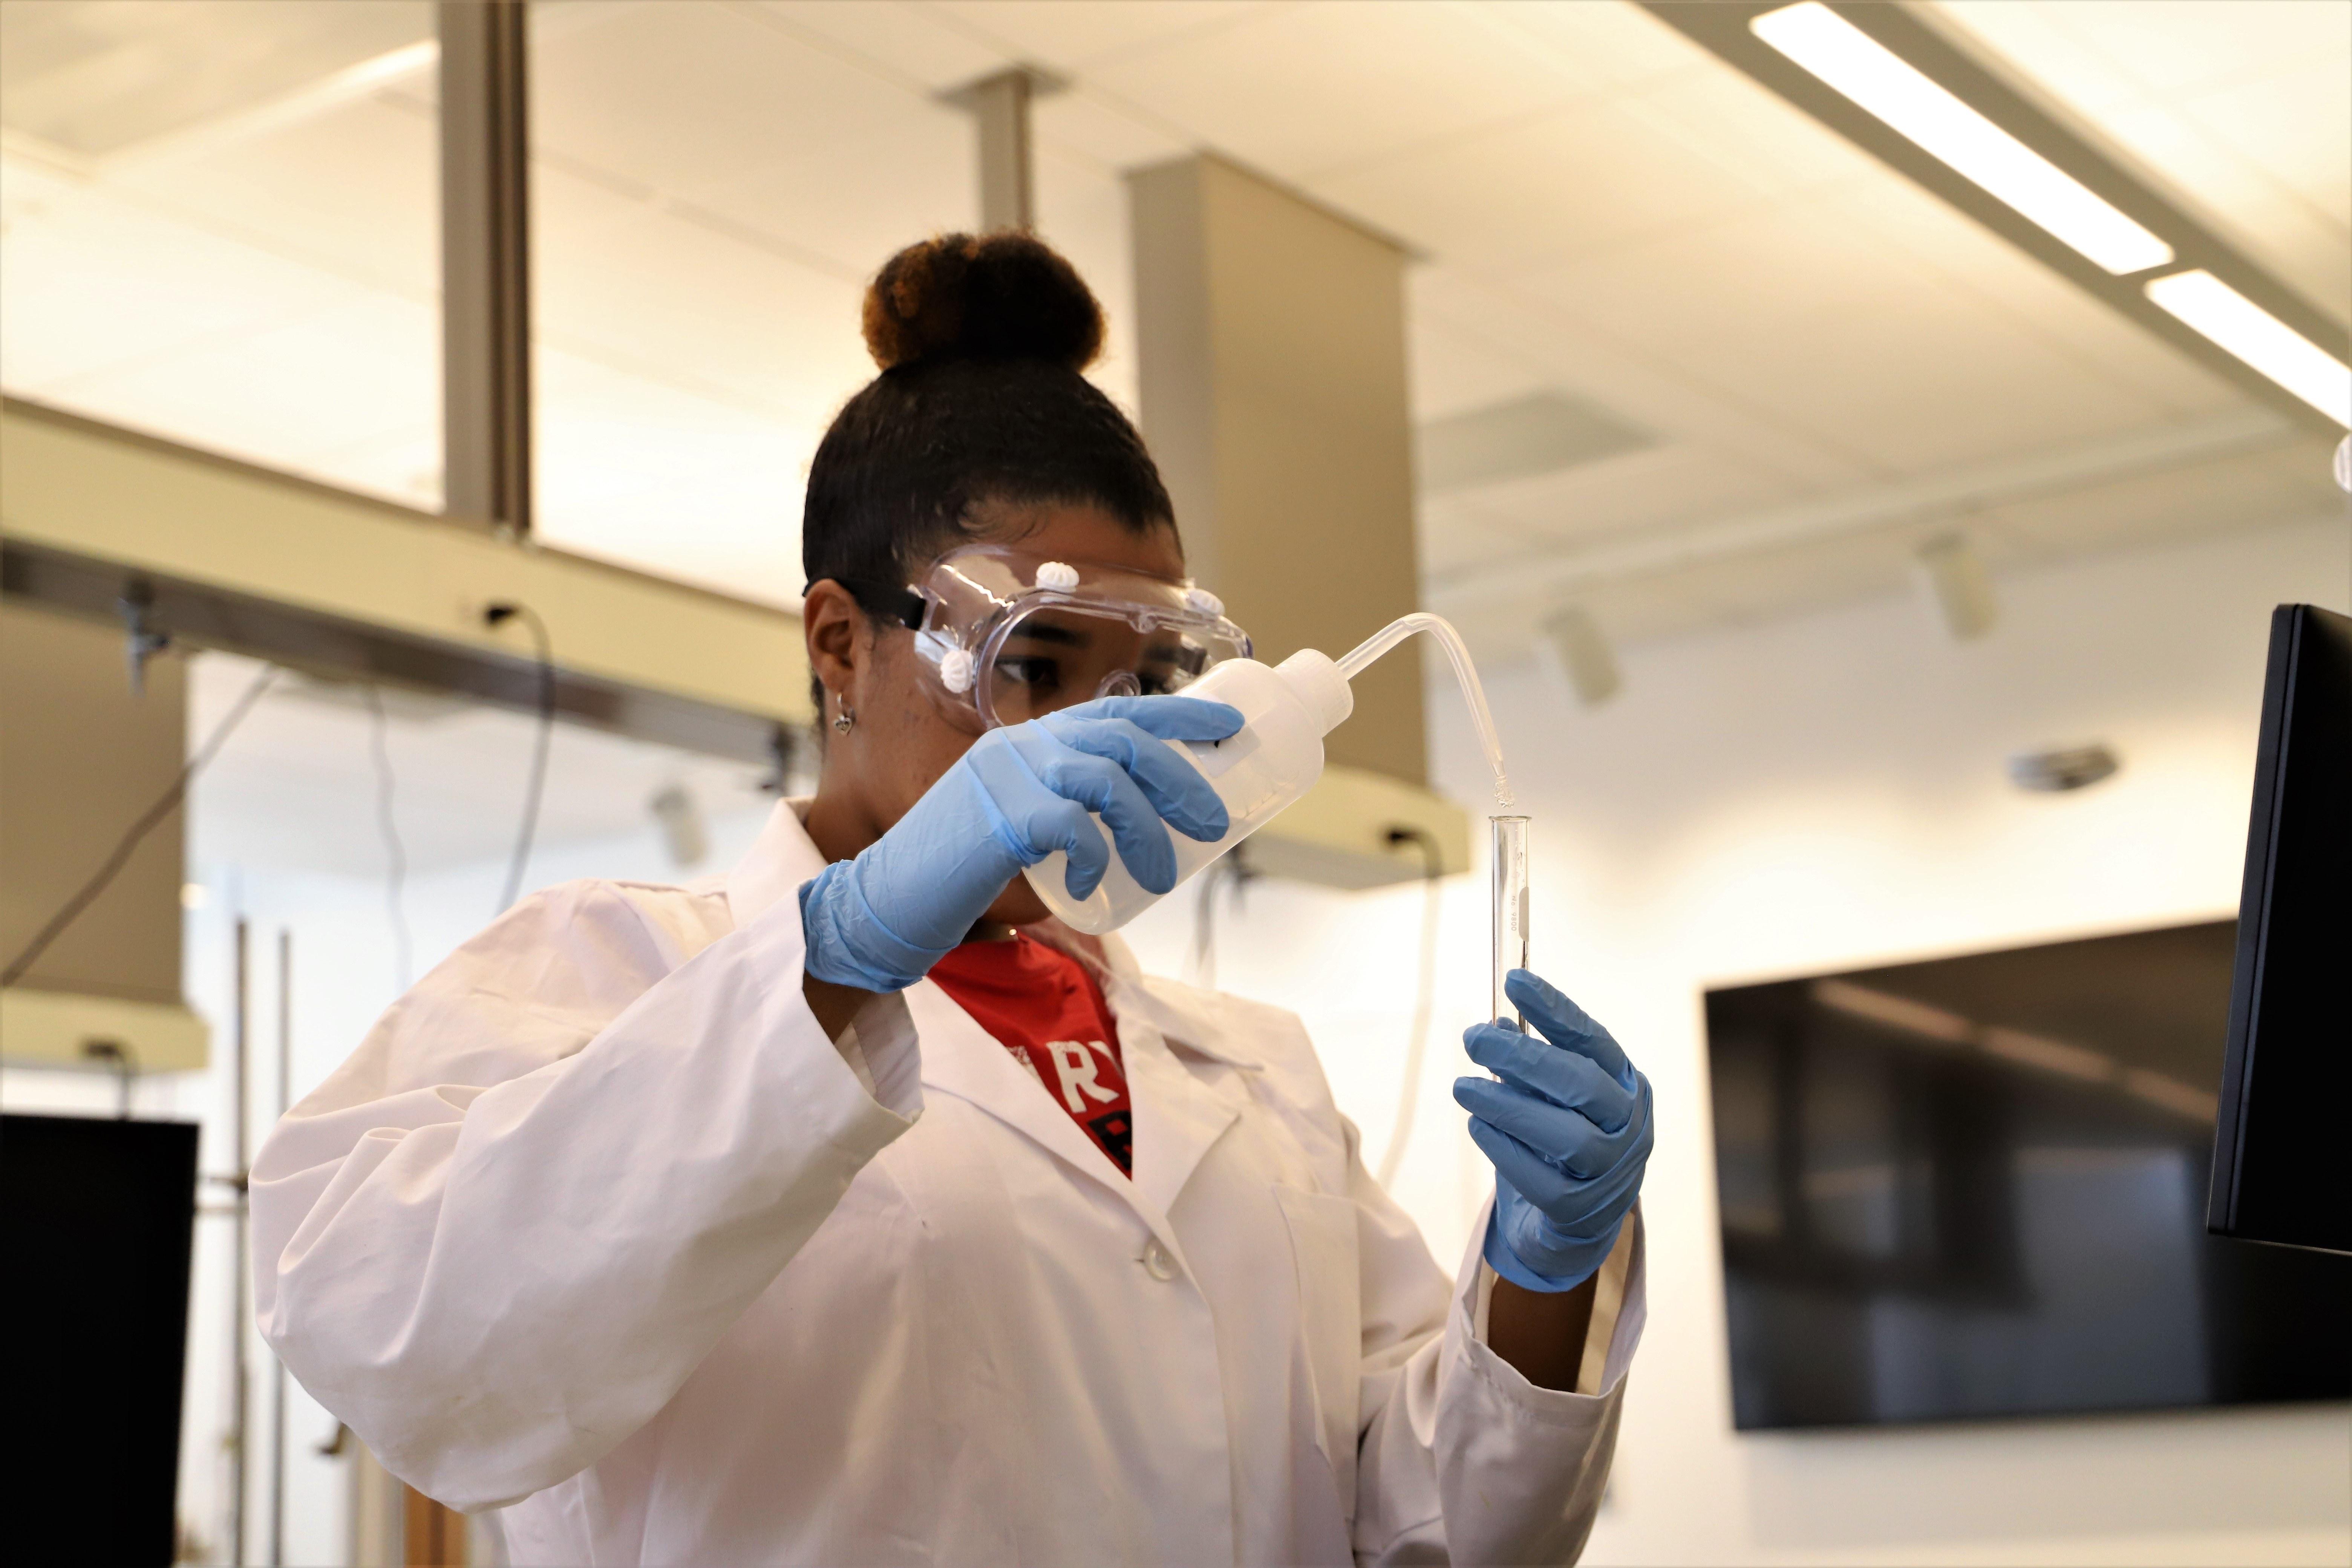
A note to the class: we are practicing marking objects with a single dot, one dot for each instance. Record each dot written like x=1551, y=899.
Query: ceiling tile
x=1077, y=38
x=686, y=97
x=1452, y=371
x=1669, y=485
x=1626, y=374
x=901, y=40
x=1569, y=182
x=1082, y=123
x=1601, y=45
x=1318, y=87
x=1981, y=265
x=1874, y=353
x=913, y=175
x=2248, y=490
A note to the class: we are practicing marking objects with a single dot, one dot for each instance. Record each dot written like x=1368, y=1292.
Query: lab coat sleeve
x=1463, y=1460
x=502, y=1234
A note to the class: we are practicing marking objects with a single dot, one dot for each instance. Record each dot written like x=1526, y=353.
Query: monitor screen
x=1975, y=1186
x=2280, y=1170
x=98, y=1217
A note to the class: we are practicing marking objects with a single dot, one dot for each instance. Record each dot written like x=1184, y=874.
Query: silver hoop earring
x=845, y=720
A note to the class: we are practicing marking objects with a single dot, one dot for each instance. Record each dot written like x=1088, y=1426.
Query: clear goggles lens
x=1010, y=636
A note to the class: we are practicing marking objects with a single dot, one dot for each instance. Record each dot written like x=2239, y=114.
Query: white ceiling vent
x=1539, y=434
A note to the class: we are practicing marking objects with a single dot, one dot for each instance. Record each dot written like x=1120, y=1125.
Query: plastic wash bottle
x=1271, y=760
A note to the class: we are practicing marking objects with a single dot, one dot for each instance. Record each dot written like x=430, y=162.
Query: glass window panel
x=219, y=224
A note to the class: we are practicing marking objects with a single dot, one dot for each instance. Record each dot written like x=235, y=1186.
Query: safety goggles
x=1007, y=636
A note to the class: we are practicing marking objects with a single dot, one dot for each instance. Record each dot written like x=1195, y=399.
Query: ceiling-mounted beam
x=999, y=106
x=225, y=554
x=485, y=264
x=1726, y=30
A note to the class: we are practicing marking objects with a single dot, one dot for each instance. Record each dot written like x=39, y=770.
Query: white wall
x=1819, y=793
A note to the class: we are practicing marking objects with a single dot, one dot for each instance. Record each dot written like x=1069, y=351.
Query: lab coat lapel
x=778, y=862
x=1177, y=1117
x=962, y=1058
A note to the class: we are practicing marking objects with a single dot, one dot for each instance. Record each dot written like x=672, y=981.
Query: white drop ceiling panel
x=1629, y=494
x=685, y=98
x=2245, y=490
x=893, y=37
x=1078, y=37
x=1874, y=353
x=2244, y=105
x=1572, y=180
x=1309, y=89
x=1979, y=263
x=1454, y=372
x=910, y=176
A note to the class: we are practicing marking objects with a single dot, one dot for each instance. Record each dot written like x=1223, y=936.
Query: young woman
x=847, y=1209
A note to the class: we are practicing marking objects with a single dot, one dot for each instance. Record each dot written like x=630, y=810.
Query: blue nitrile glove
x=1568, y=1131
x=881, y=922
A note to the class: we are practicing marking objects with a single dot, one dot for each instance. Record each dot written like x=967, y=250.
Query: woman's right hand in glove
x=878, y=922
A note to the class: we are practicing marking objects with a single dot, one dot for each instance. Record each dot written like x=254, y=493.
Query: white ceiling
x=1606, y=213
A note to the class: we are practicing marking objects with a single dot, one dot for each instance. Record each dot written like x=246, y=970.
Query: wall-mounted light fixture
x=1957, y=580
x=1888, y=79
x=1573, y=648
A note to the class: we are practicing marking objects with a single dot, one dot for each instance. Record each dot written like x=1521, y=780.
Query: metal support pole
x=277, y=1367
x=240, y=1324
x=999, y=105
x=485, y=264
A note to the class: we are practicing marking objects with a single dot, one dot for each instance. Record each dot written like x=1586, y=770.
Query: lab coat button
x=1156, y=1261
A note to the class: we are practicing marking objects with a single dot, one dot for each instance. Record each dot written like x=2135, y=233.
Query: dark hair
x=980, y=340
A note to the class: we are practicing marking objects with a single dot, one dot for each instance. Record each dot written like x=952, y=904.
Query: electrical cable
x=395, y=858
x=497, y=615
x=147, y=822
x=1424, y=999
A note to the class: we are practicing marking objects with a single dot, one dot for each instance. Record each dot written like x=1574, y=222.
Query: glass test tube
x=1510, y=874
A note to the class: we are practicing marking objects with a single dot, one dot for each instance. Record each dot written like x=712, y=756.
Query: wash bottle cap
x=1317, y=682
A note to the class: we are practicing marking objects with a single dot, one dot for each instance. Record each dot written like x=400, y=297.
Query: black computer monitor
x=2282, y=1166
x=96, y=1221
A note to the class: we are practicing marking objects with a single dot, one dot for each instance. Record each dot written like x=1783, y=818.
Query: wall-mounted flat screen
x=2281, y=1168
x=1975, y=1186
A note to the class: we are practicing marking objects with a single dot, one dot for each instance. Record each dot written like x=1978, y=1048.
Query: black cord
x=1424, y=998
x=138, y=832
x=395, y=858
x=498, y=615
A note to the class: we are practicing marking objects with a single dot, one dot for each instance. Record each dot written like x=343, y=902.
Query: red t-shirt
x=1044, y=1007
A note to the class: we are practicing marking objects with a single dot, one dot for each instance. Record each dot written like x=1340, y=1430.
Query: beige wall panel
x=80, y=758
x=1272, y=358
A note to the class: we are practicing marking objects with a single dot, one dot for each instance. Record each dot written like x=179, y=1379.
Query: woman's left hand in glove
x=1568, y=1129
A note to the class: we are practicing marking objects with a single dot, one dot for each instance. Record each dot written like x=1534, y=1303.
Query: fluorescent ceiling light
x=2262, y=339
x=1914, y=104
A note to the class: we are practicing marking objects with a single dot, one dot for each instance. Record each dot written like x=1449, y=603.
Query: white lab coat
x=599, y=1228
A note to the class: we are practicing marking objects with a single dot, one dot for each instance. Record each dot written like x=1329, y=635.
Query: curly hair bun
x=1001, y=296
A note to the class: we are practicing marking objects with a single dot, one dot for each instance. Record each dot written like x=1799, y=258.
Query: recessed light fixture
x=1929, y=114
x=2212, y=307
